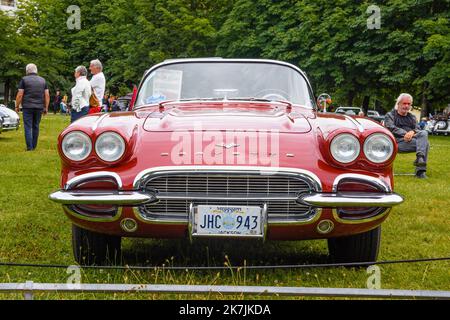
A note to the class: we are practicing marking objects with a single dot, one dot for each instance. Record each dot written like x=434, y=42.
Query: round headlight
x=345, y=148
x=110, y=146
x=76, y=146
x=378, y=148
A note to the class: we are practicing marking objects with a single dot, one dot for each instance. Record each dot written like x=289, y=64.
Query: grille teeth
x=245, y=186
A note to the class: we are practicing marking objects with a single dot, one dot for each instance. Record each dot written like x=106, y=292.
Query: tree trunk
x=365, y=104
x=424, y=103
x=350, y=97
x=378, y=107
x=7, y=92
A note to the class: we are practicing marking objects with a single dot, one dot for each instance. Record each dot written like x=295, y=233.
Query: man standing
x=34, y=97
x=98, y=81
x=403, y=125
x=80, y=94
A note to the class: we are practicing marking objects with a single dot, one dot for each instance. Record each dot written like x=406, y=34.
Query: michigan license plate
x=228, y=220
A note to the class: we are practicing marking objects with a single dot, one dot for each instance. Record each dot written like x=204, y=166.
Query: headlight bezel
x=88, y=144
x=374, y=136
x=101, y=156
x=357, y=147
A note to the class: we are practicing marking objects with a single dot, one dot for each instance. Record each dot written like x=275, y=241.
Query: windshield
x=224, y=80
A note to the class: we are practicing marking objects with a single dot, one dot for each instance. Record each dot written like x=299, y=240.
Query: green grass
x=35, y=230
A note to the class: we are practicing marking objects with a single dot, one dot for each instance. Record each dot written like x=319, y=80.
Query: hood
x=232, y=116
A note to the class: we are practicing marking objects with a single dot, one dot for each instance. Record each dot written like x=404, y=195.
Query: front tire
x=92, y=248
x=361, y=247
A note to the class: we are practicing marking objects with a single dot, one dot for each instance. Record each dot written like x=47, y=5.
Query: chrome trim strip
x=297, y=222
x=116, y=217
x=359, y=221
x=97, y=122
x=220, y=169
x=254, y=197
x=93, y=176
x=356, y=123
x=141, y=218
x=181, y=102
x=378, y=182
x=273, y=222
x=127, y=198
x=351, y=199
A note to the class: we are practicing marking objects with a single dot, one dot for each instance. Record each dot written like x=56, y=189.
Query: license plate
x=239, y=221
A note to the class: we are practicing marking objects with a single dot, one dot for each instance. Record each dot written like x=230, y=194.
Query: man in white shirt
x=98, y=81
x=80, y=94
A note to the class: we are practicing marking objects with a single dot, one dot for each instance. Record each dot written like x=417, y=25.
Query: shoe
x=420, y=161
x=421, y=175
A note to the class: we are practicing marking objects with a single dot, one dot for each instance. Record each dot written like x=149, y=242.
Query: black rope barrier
x=228, y=267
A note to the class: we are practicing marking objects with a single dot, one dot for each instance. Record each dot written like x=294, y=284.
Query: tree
x=342, y=56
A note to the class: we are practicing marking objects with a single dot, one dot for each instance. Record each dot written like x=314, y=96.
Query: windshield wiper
x=261, y=100
x=162, y=103
x=251, y=99
x=201, y=99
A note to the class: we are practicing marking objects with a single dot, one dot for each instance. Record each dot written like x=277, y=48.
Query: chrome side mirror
x=323, y=101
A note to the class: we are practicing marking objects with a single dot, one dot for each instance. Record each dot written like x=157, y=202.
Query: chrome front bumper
x=142, y=196
x=350, y=199
x=120, y=198
x=11, y=127
x=318, y=200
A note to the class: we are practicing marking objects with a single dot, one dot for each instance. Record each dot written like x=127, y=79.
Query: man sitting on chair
x=403, y=125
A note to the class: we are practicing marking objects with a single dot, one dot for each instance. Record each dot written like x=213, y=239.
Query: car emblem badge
x=227, y=146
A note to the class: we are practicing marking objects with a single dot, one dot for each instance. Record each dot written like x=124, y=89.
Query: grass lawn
x=35, y=230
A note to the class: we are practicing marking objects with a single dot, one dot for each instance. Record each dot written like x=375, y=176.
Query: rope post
x=28, y=290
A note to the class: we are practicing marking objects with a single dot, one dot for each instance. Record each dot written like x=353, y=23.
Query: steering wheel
x=272, y=94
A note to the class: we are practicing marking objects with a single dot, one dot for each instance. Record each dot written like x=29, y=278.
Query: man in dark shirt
x=34, y=97
x=404, y=127
x=57, y=102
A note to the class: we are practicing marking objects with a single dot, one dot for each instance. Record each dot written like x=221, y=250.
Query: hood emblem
x=227, y=146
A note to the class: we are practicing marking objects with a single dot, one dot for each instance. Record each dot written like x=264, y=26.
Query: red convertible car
x=230, y=148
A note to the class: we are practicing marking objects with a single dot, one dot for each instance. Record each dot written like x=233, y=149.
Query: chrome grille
x=227, y=185
x=187, y=188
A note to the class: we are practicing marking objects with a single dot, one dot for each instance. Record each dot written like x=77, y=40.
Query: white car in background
x=441, y=126
x=354, y=111
x=11, y=120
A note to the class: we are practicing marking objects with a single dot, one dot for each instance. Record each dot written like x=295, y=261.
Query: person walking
x=98, y=81
x=80, y=94
x=34, y=97
x=57, y=101
x=403, y=125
